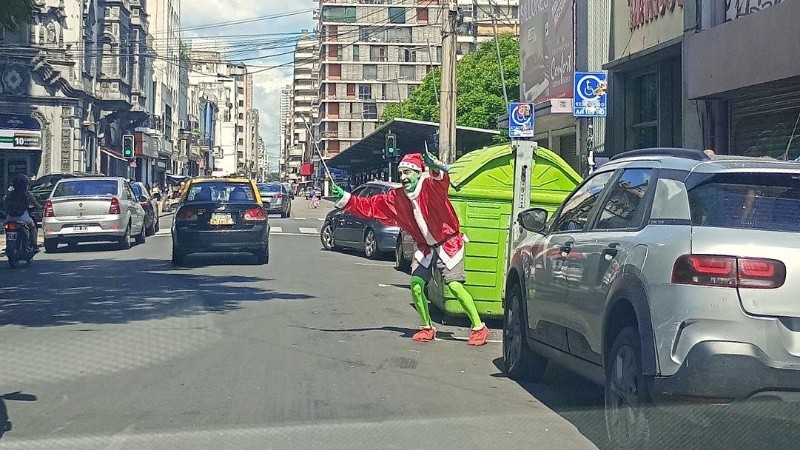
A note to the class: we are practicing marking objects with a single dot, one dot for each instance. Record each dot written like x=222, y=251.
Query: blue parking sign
x=520, y=120
x=590, y=94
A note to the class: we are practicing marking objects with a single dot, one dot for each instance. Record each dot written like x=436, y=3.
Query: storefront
x=646, y=106
x=146, y=148
x=20, y=147
x=751, y=104
x=113, y=164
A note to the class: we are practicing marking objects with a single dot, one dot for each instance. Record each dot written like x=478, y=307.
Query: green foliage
x=15, y=14
x=480, y=90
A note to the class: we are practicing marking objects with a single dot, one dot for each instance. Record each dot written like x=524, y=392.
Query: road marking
x=374, y=264
x=276, y=229
x=163, y=233
x=293, y=234
x=308, y=230
x=300, y=218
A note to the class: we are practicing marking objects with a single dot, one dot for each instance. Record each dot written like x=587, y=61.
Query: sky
x=260, y=43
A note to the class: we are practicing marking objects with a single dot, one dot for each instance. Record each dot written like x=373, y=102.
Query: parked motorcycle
x=18, y=247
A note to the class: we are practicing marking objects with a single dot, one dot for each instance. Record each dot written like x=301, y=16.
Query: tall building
x=287, y=171
x=304, y=92
x=371, y=55
x=479, y=20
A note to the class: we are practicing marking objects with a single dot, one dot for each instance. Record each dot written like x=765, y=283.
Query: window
x=575, y=212
x=407, y=55
x=644, y=129
x=383, y=92
x=397, y=15
x=408, y=73
x=624, y=207
x=422, y=16
x=241, y=116
x=220, y=192
x=377, y=53
x=398, y=34
x=356, y=52
x=345, y=14
x=240, y=89
x=240, y=129
x=370, y=72
x=241, y=141
x=370, y=111
x=372, y=34
x=351, y=90
x=365, y=92
x=241, y=103
x=335, y=71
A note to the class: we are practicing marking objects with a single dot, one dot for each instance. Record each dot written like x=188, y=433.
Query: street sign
x=590, y=93
x=520, y=120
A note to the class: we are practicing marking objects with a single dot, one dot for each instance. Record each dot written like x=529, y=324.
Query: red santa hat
x=412, y=161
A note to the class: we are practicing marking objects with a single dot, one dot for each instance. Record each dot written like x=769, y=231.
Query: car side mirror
x=143, y=199
x=534, y=219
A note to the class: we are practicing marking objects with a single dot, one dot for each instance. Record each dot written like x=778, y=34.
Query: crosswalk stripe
x=276, y=229
x=163, y=233
x=308, y=230
x=299, y=218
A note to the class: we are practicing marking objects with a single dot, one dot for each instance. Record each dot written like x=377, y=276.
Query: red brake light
x=115, y=207
x=729, y=271
x=255, y=215
x=187, y=214
x=48, y=209
x=11, y=226
x=278, y=195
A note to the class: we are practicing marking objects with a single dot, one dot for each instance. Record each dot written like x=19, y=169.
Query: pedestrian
x=422, y=209
x=312, y=195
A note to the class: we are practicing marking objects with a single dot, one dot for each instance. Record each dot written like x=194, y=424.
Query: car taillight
x=10, y=226
x=729, y=271
x=187, y=214
x=115, y=207
x=255, y=215
x=48, y=209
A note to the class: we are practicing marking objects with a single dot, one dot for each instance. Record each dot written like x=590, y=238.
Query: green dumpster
x=481, y=193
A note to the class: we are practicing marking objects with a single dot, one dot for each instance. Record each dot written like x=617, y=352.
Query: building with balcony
x=371, y=54
x=285, y=131
x=480, y=18
x=303, y=117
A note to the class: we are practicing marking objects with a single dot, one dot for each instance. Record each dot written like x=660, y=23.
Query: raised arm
x=380, y=206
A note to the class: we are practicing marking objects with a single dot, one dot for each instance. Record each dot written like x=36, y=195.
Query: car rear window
x=137, y=190
x=85, y=188
x=220, y=192
x=269, y=188
x=748, y=201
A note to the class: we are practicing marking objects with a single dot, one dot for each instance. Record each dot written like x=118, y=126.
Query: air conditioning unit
x=181, y=124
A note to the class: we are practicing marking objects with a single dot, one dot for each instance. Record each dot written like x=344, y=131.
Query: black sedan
x=343, y=229
x=220, y=215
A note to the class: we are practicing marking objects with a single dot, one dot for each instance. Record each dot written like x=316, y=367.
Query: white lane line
x=163, y=233
x=308, y=230
x=300, y=218
x=293, y=234
x=321, y=219
x=374, y=265
x=276, y=229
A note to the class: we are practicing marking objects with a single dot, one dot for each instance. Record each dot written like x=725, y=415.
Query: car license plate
x=11, y=236
x=79, y=228
x=221, y=219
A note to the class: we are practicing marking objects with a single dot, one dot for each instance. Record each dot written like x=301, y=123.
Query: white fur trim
x=342, y=202
x=408, y=165
x=413, y=195
x=451, y=261
x=421, y=223
x=424, y=261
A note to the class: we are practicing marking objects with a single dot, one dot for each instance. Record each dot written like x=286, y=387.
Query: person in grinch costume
x=422, y=209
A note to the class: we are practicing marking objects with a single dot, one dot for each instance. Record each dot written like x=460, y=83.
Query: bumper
x=255, y=239
x=99, y=230
x=729, y=370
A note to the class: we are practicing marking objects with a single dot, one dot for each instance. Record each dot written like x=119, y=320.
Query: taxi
x=220, y=215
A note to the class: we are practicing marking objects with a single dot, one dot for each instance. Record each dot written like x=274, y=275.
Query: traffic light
x=390, y=150
x=127, y=146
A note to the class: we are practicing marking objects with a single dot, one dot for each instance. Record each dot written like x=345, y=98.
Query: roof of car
x=697, y=161
x=221, y=179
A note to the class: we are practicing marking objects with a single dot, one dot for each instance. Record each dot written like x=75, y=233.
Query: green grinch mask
x=409, y=178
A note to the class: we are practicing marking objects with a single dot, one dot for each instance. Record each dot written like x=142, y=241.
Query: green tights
x=421, y=301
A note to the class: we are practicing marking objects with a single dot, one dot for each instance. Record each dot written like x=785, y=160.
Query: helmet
x=21, y=182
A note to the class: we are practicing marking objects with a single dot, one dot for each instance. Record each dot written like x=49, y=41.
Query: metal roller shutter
x=763, y=121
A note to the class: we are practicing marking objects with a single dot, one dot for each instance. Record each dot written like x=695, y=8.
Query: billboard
x=20, y=132
x=547, y=49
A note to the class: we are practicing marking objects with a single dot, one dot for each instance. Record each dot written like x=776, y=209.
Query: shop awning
x=112, y=153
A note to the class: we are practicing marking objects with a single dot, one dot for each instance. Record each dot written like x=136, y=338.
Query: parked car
x=288, y=187
x=150, y=206
x=343, y=229
x=404, y=251
x=276, y=198
x=92, y=209
x=220, y=215
x=666, y=275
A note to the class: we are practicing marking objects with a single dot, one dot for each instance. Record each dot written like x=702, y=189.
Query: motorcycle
x=18, y=246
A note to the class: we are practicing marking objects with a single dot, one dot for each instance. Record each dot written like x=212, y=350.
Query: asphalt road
x=119, y=349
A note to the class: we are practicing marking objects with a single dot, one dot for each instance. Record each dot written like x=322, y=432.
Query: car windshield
x=220, y=192
x=746, y=201
x=86, y=188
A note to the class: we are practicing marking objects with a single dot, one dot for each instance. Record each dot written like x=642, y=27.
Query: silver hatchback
x=667, y=275
x=92, y=209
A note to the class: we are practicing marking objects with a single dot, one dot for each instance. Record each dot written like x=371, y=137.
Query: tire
x=628, y=405
x=178, y=257
x=289, y=212
x=326, y=237
x=125, y=241
x=263, y=258
x=370, y=244
x=399, y=262
x=157, y=226
x=519, y=361
x=142, y=236
x=50, y=245
x=284, y=215
x=151, y=230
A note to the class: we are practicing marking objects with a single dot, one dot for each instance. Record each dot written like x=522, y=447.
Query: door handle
x=611, y=251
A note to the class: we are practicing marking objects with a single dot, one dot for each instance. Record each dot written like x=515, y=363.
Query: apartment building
x=480, y=18
x=372, y=53
x=304, y=92
x=286, y=172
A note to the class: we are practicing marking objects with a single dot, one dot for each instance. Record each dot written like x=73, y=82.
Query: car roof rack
x=686, y=153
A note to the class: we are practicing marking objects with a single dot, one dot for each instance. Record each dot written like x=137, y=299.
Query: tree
x=480, y=90
x=14, y=14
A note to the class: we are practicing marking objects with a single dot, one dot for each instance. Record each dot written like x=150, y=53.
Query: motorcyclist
x=18, y=199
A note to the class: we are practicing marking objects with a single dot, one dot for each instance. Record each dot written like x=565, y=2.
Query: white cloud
x=267, y=83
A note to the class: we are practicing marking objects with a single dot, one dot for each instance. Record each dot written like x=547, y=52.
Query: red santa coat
x=426, y=214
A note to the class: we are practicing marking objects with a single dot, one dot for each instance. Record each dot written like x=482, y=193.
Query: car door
x=343, y=228
x=604, y=247
x=557, y=268
x=136, y=210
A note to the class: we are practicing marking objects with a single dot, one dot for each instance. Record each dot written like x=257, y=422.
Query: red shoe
x=424, y=335
x=478, y=337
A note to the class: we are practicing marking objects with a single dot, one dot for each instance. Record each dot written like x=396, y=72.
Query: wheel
x=626, y=397
x=50, y=245
x=289, y=212
x=125, y=241
x=178, y=257
x=326, y=236
x=151, y=230
x=519, y=361
x=157, y=226
x=399, y=262
x=263, y=258
x=370, y=244
x=284, y=214
x=142, y=236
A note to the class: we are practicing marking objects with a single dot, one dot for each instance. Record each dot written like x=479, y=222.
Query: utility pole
x=447, y=104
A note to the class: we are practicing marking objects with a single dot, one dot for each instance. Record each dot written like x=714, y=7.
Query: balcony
x=114, y=91
x=296, y=152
